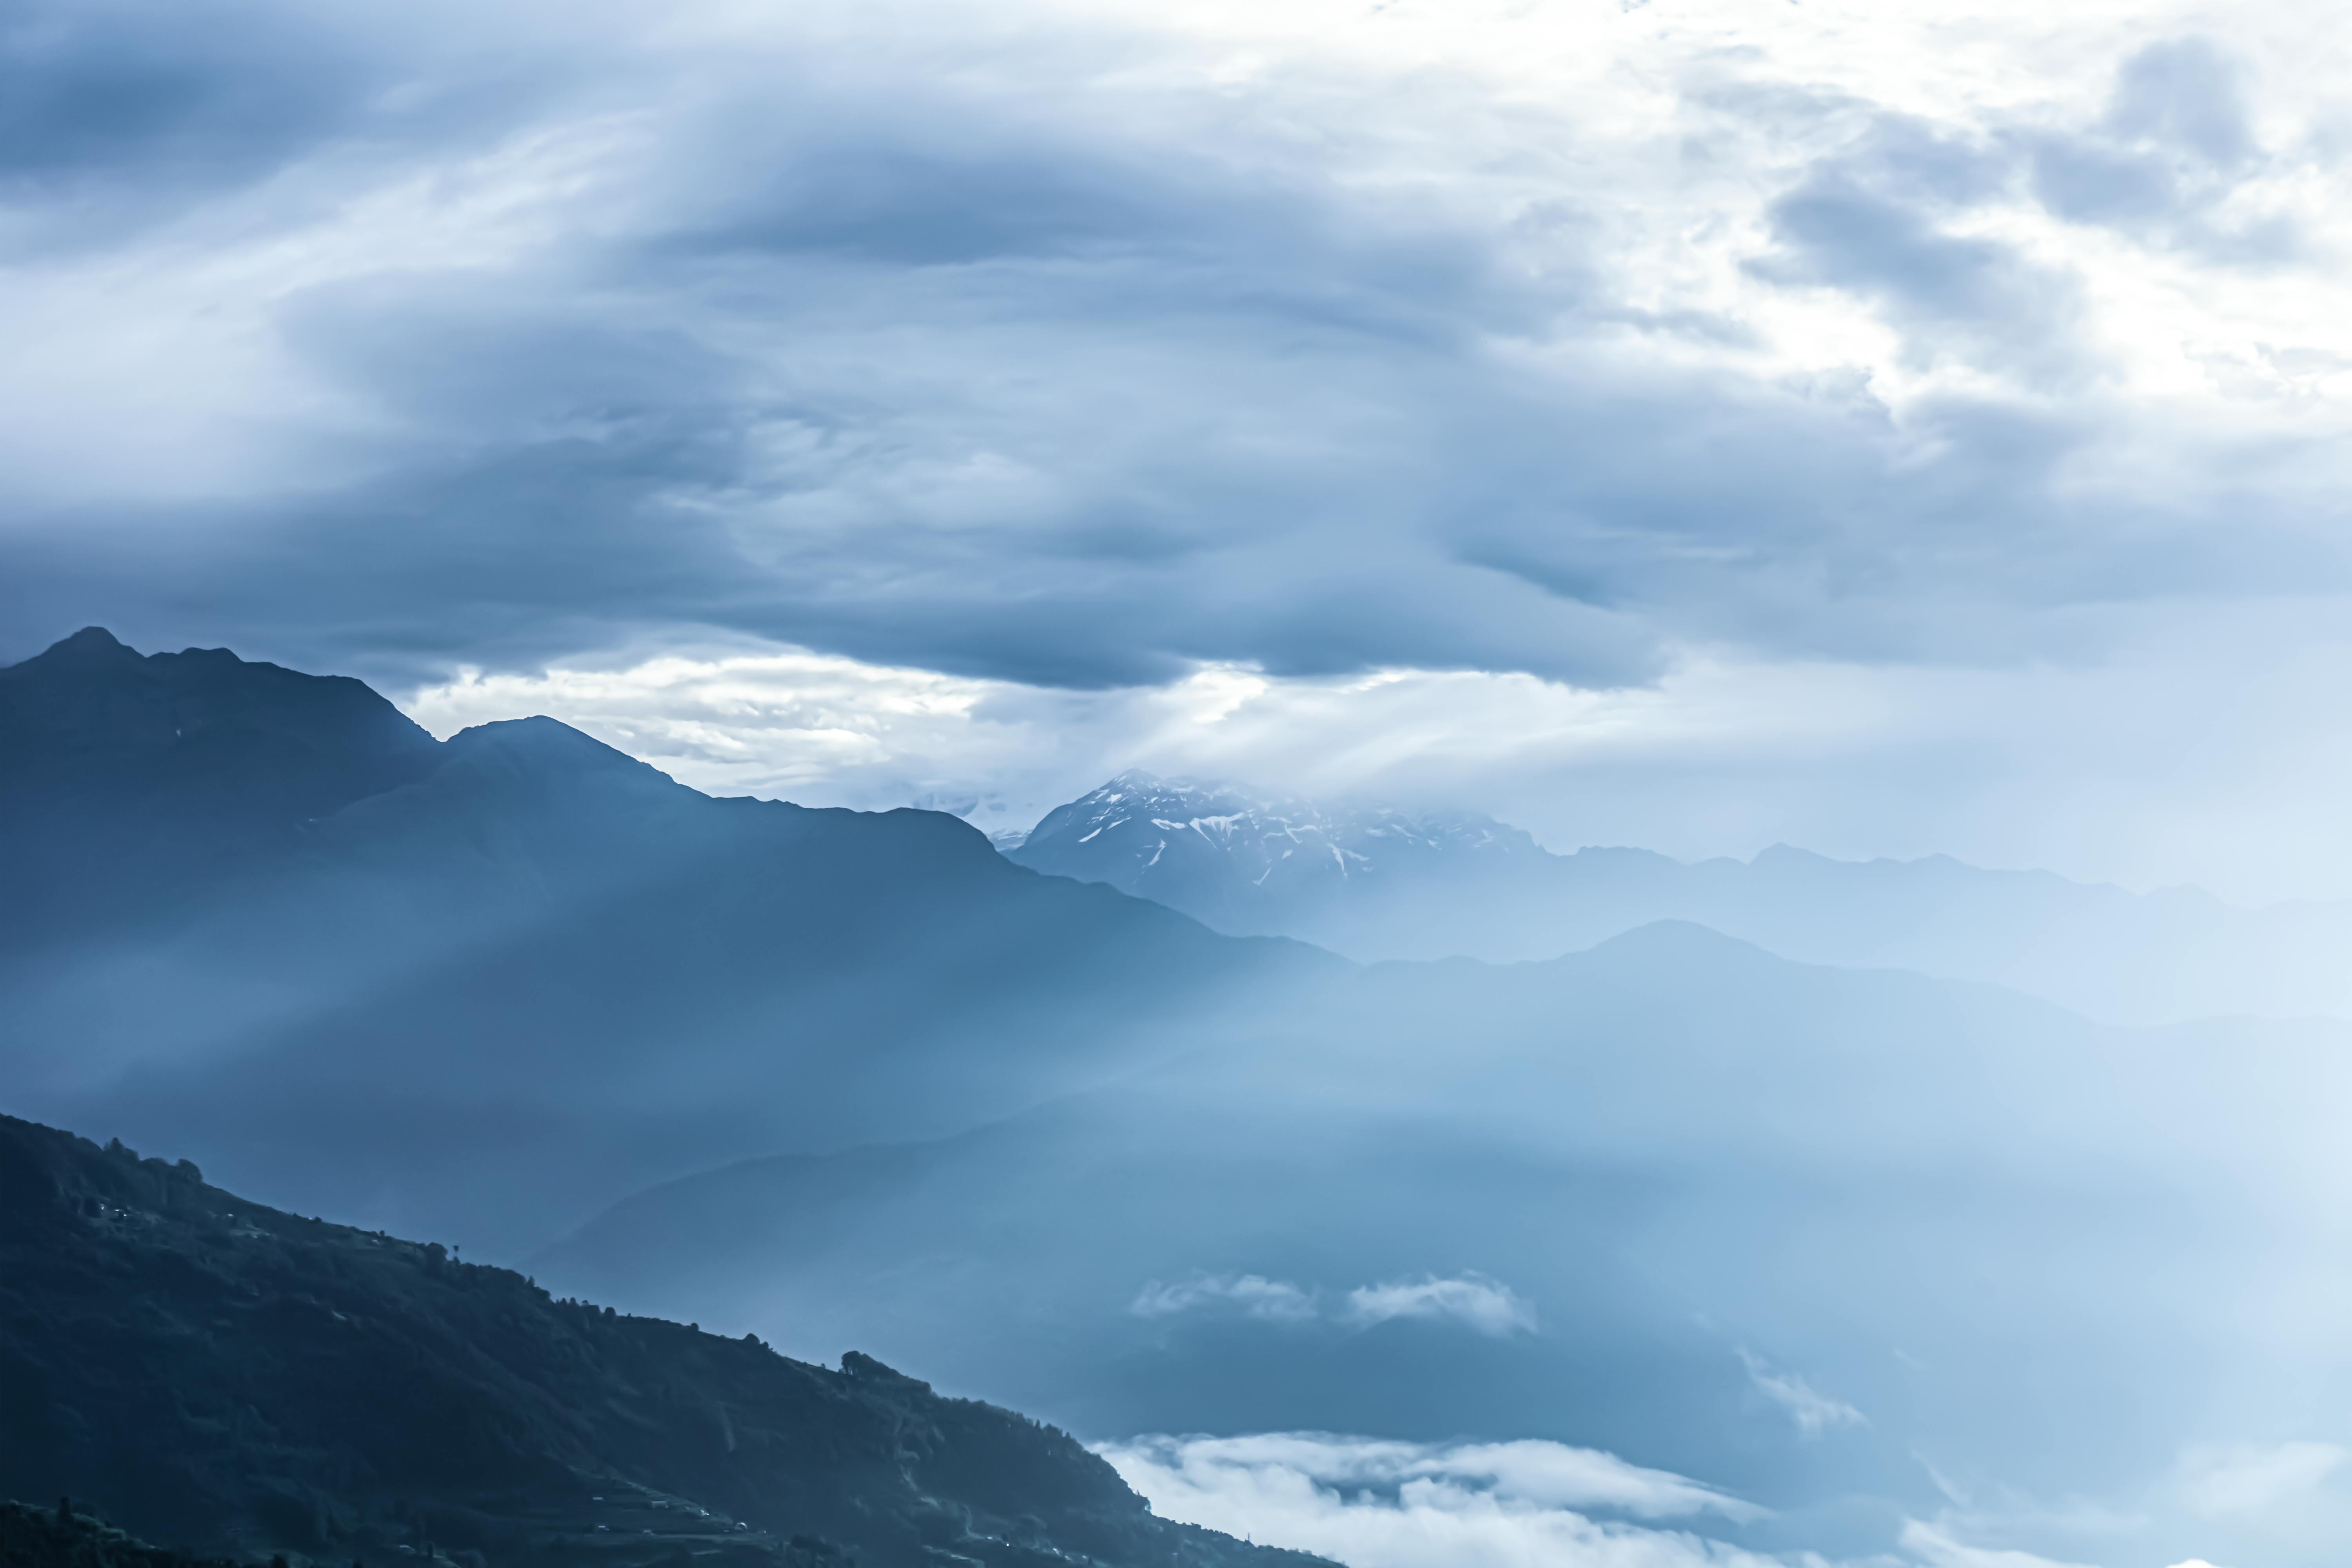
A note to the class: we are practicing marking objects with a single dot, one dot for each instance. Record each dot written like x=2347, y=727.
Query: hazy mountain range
x=1376, y=882
x=1674, y=1198
x=261, y=915
x=1764, y=1253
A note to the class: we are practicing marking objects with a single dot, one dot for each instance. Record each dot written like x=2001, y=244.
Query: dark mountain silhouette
x=66, y=1536
x=1376, y=882
x=208, y=1371
x=496, y=983
x=124, y=779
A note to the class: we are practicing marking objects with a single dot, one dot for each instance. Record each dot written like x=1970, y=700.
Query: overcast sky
x=1698, y=423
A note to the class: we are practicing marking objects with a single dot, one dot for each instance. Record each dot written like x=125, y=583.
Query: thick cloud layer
x=1077, y=348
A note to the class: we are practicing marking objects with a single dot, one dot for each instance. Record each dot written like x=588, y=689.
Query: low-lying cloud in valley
x=1473, y=1300
x=1375, y=1504
x=1752, y=444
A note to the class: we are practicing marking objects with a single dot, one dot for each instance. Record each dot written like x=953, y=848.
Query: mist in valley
x=1433, y=784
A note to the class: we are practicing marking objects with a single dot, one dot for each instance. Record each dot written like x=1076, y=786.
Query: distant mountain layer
x=1227, y=856
x=1376, y=883
x=206, y=1370
x=483, y=987
x=1779, y=1227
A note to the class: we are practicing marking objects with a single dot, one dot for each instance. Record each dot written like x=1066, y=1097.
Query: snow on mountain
x=1374, y=882
x=1217, y=851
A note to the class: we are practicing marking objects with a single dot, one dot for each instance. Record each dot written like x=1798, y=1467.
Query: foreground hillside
x=205, y=1370
x=67, y=1536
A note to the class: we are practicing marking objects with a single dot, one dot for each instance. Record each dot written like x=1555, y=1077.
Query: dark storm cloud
x=179, y=98
x=944, y=354
x=118, y=115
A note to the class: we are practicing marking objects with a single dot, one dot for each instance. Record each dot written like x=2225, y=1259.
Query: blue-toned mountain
x=484, y=986
x=1239, y=860
x=1377, y=882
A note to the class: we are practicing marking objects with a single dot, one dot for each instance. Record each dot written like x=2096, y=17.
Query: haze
x=1647, y=698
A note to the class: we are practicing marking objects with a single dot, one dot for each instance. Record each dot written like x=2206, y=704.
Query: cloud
x=2251, y=1478
x=1079, y=352
x=1060, y=351
x=1473, y=1300
x=1812, y=1411
x=1950, y=292
x=2173, y=163
x=1935, y=1546
x=1376, y=1504
x=2073, y=768
x=1272, y=1299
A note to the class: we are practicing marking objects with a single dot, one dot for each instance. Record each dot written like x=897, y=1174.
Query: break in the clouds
x=1072, y=350
x=1473, y=1302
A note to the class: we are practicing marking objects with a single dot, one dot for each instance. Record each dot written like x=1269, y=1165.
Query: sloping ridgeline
x=208, y=1371
x=1376, y=882
x=67, y=1537
x=484, y=988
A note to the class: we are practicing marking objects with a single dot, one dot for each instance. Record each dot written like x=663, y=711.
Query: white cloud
x=1473, y=1301
x=1377, y=1504
x=1275, y=1300
x=1936, y=1546
x=1487, y=1305
x=2251, y=1478
x=2073, y=768
x=1812, y=1411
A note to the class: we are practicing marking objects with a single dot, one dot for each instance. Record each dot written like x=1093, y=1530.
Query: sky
x=1694, y=423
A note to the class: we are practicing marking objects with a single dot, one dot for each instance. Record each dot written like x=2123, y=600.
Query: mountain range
x=1707, y=1204
x=1584, y=1202
x=1379, y=882
x=482, y=987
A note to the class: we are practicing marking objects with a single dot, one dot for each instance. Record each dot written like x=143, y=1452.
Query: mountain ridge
x=411, y=985
x=1376, y=882
x=212, y=1370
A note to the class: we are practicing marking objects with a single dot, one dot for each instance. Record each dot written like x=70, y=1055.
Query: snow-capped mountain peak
x=1201, y=844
